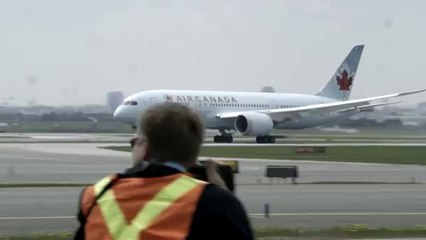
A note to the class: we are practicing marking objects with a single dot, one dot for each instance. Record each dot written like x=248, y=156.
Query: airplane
x=258, y=113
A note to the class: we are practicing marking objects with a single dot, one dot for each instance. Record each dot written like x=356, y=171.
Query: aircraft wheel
x=260, y=139
x=265, y=139
x=223, y=139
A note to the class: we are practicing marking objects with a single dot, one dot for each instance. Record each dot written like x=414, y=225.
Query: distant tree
x=49, y=117
x=393, y=123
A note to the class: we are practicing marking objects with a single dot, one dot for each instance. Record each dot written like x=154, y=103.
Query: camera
x=226, y=170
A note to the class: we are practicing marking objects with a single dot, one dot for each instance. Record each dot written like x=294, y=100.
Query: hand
x=213, y=175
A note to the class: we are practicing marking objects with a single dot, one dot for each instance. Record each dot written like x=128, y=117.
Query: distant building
x=114, y=99
x=268, y=89
x=422, y=107
x=3, y=127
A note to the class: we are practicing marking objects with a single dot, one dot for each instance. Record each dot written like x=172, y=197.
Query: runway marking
x=301, y=161
x=314, y=144
x=250, y=168
x=254, y=215
x=84, y=172
x=27, y=157
x=36, y=218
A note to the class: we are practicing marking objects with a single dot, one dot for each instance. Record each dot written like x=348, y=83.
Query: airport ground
x=117, y=127
x=329, y=194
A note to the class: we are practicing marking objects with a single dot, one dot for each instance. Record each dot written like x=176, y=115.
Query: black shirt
x=219, y=214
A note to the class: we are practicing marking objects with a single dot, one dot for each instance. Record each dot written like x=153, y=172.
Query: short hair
x=174, y=132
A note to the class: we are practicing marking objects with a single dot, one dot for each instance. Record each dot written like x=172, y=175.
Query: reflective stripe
x=99, y=186
x=115, y=219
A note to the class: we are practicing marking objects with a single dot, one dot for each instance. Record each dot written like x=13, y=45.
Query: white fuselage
x=210, y=103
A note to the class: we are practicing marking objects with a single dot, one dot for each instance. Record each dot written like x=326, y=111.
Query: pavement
x=293, y=140
x=86, y=163
x=304, y=205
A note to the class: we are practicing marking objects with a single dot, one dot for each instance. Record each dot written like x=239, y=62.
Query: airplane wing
x=279, y=114
x=366, y=107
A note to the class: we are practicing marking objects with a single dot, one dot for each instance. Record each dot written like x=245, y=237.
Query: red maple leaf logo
x=344, y=81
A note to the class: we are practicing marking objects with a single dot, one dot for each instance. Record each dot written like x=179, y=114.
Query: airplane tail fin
x=340, y=84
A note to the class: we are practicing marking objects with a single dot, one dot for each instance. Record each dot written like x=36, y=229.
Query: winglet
x=413, y=92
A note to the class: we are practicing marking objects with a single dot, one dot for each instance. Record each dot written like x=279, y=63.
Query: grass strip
x=366, y=154
x=351, y=231
x=40, y=236
x=37, y=185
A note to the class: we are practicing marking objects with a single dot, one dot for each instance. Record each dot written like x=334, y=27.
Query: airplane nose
x=124, y=114
x=118, y=113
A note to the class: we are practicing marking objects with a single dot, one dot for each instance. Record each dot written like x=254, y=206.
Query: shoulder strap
x=113, y=180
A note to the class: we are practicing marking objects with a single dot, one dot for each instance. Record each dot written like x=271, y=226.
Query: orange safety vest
x=141, y=208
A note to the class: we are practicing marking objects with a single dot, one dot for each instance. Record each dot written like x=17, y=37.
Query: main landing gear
x=223, y=138
x=227, y=138
x=265, y=139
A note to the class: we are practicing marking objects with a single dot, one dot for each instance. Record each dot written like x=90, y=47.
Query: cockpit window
x=133, y=103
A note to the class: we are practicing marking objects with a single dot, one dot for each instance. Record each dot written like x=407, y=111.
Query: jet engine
x=253, y=124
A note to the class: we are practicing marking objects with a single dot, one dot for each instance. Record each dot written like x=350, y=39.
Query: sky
x=61, y=52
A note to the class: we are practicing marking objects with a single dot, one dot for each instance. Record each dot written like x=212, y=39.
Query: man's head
x=169, y=132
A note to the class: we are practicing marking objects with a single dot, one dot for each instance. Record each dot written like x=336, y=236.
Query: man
x=156, y=198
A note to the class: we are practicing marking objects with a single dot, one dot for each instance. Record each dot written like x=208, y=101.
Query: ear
x=147, y=150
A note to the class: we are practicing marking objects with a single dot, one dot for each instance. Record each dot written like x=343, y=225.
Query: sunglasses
x=134, y=140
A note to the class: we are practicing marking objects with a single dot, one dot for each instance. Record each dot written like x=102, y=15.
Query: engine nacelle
x=253, y=124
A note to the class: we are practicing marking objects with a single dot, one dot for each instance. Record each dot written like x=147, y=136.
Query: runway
x=348, y=144
x=307, y=206
x=86, y=163
x=294, y=140
x=303, y=205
